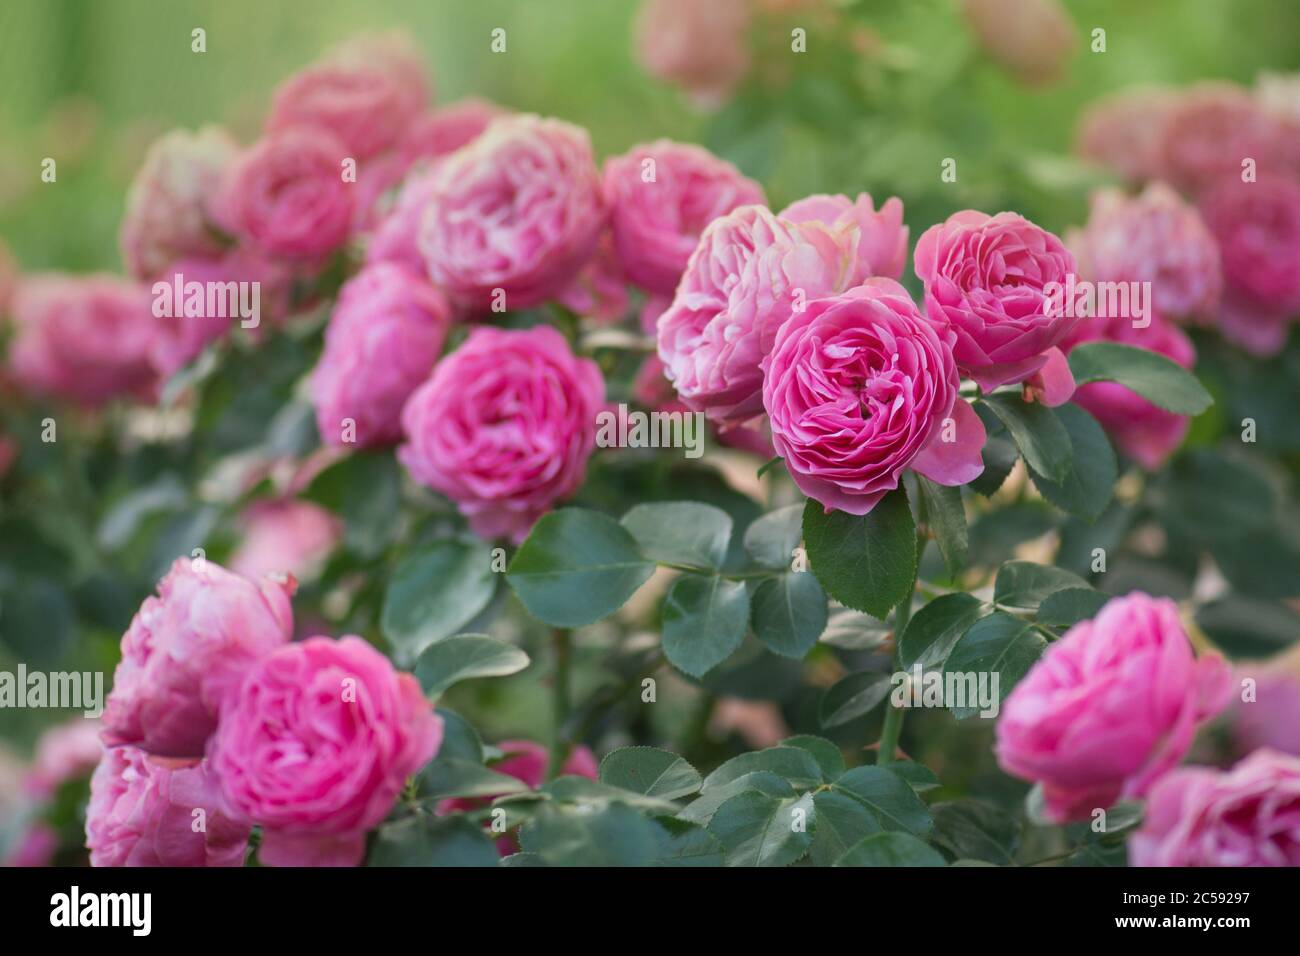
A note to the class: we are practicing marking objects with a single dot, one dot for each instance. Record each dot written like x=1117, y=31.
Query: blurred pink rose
x=187, y=650
x=64, y=752
x=443, y=131
x=142, y=813
x=858, y=388
x=519, y=209
x=396, y=237
x=1154, y=237
x=652, y=389
x=747, y=276
x=318, y=746
x=701, y=47
x=1122, y=131
x=599, y=292
x=661, y=196
x=1246, y=816
x=285, y=537
x=1210, y=129
x=86, y=338
x=877, y=240
x=1110, y=707
x=169, y=205
x=286, y=194
x=1272, y=719
x=380, y=345
x=504, y=427
x=1032, y=39
x=984, y=279
x=36, y=845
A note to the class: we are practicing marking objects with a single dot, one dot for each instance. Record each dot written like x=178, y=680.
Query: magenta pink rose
x=286, y=194
x=185, y=653
x=381, y=343
x=318, y=745
x=858, y=388
x=877, y=240
x=984, y=279
x=153, y=811
x=701, y=47
x=1246, y=816
x=517, y=210
x=169, y=205
x=84, y=338
x=64, y=752
x=1110, y=707
x=661, y=196
x=748, y=275
x=285, y=537
x=504, y=427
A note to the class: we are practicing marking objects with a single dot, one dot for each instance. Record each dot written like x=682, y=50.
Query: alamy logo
x=1105, y=300
x=58, y=690
x=635, y=429
x=971, y=690
x=103, y=909
x=212, y=300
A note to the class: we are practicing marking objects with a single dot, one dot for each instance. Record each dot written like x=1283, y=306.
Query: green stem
x=560, y=641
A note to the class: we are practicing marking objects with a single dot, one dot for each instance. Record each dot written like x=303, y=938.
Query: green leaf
x=855, y=631
x=998, y=644
x=613, y=835
x=771, y=539
x=433, y=841
x=888, y=796
x=866, y=562
x=757, y=830
x=789, y=613
x=459, y=738
x=704, y=621
x=851, y=697
x=365, y=488
x=576, y=567
x=1038, y=433
x=793, y=764
x=933, y=630
x=702, y=808
x=457, y=777
x=650, y=771
x=465, y=656
x=977, y=831
x=680, y=532
x=687, y=844
x=826, y=753
x=1070, y=606
x=1153, y=376
x=581, y=790
x=842, y=822
x=1089, y=485
x=891, y=849
x=999, y=453
x=918, y=776
x=435, y=593
x=946, y=517
x=1026, y=584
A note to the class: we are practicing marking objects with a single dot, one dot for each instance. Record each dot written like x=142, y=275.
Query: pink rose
x=599, y=292
x=1246, y=816
x=749, y=273
x=877, y=240
x=1154, y=237
x=1209, y=130
x=504, y=427
x=36, y=845
x=396, y=237
x=519, y=209
x=169, y=205
x=661, y=196
x=318, y=745
x=285, y=537
x=286, y=194
x=1122, y=131
x=64, y=752
x=443, y=131
x=858, y=388
x=984, y=279
x=185, y=653
x=382, y=340
x=701, y=47
x=1032, y=39
x=1110, y=707
x=1272, y=718
x=142, y=813
x=86, y=338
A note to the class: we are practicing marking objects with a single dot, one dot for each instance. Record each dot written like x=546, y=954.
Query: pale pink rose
x=1153, y=237
x=1211, y=128
x=169, y=205
x=1032, y=39
x=877, y=240
x=1110, y=707
x=285, y=537
x=519, y=209
x=366, y=95
x=286, y=194
x=661, y=196
x=142, y=813
x=859, y=388
x=1272, y=718
x=85, y=338
x=599, y=292
x=185, y=653
x=749, y=273
x=1246, y=816
x=504, y=427
x=984, y=279
x=1123, y=131
x=64, y=752
x=396, y=238
x=380, y=345
x=318, y=745
x=701, y=47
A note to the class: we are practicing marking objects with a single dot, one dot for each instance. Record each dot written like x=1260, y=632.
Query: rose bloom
x=382, y=340
x=1154, y=237
x=1209, y=130
x=743, y=281
x=1272, y=718
x=519, y=209
x=1032, y=39
x=1246, y=816
x=85, y=338
x=984, y=279
x=185, y=653
x=318, y=745
x=599, y=292
x=504, y=427
x=1122, y=131
x=661, y=195
x=701, y=47
x=396, y=238
x=285, y=537
x=877, y=239
x=141, y=813
x=64, y=752
x=858, y=388
x=286, y=195
x=168, y=207
x=1110, y=707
